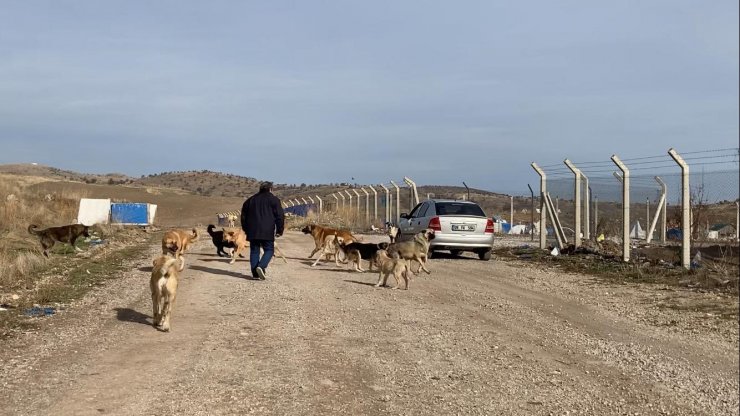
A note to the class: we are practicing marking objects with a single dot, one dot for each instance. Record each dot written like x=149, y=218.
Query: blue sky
x=323, y=91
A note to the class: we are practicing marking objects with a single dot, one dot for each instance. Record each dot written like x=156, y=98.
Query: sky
x=326, y=91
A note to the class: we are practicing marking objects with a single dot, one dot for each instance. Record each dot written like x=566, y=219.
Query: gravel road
x=474, y=337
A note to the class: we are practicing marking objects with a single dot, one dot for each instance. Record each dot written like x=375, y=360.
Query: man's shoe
x=260, y=273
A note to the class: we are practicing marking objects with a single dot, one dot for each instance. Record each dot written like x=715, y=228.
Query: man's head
x=265, y=186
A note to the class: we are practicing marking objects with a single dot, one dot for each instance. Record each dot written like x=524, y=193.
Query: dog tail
x=32, y=229
x=210, y=229
x=195, y=235
x=165, y=270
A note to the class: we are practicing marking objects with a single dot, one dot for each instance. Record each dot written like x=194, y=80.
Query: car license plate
x=463, y=227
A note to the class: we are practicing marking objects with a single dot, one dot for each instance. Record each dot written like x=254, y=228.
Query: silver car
x=458, y=226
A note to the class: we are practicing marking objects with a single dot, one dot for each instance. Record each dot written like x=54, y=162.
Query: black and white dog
x=356, y=251
x=218, y=240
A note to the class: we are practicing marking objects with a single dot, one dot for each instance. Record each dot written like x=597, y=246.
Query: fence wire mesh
x=714, y=189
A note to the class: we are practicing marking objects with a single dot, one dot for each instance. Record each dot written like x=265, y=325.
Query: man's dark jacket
x=262, y=216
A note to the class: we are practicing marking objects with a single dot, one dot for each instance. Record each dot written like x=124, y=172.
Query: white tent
x=518, y=229
x=637, y=231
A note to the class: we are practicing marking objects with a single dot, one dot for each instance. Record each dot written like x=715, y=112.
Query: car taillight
x=489, y=226
x=434, y=224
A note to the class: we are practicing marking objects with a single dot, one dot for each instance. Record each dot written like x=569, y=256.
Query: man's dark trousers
x=268, y=246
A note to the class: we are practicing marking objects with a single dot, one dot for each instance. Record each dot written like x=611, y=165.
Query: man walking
x=263, y=220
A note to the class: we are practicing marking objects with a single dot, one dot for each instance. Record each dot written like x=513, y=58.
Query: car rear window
x=458, y=208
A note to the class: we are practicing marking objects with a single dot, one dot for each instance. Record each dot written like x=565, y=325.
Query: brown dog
x=415, y=249
x=239, y=239
x=163, y=284
x=175, y=242
x=389, y=266
x=65, y=234
x=320, y=233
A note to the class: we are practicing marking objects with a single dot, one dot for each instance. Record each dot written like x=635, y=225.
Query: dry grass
x=344, y=218
x=20, y=206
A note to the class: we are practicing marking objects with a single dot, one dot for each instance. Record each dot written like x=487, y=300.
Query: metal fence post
x=596, y=216
x=336, y=198
x=414, y=192
x=358, y=203
x=375, y=198
x=349, y=203
x=398, y=202
x=531, y=227
x=341, y=195
x=660, y=211
x=367, y=204
x=387, y=203
x=577, y=201
x=664, y=210
x=321, y=205
x=511, y=213
x=587, y=208
x=543, y=209
x=625, y=207
x=685, y=209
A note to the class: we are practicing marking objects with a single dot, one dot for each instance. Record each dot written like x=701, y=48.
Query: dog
x=328, y=249
x=415, y=249
x=239, y=239
x=218, y=240
x=355, y=252
x=393, y=233
x=320, y=233
x=163, y=283
x=176, y=242
x=387, y=266
x=65, y=234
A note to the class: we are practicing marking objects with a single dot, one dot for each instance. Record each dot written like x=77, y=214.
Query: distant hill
x=217, y=184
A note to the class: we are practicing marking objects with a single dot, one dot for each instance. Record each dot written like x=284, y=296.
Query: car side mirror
x=404, y=215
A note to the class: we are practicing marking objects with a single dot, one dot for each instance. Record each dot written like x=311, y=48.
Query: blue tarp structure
x=301, y=210
x=129, y=213
x=505, y=227
x=674, y=234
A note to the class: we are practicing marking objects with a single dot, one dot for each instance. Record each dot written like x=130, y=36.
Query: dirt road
x=471, y=338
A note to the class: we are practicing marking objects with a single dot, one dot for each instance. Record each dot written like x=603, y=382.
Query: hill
x=211, y=184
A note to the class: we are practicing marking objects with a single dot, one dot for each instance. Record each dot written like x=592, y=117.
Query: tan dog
x=163, y=284
x=320, y=233
x=239, y=239
x=328, y=249
x=415, y=249
x=175, y=242
x=389, y=266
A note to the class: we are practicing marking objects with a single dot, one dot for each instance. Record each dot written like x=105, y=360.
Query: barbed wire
x=649, y=159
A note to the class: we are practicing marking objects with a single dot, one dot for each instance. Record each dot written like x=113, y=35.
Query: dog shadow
x=360, y=283
x=146, y=269
x=219, y=260
x=130, y=315
x=221, y=272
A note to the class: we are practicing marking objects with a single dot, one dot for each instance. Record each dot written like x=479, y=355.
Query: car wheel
x=456, y=253
x=433, y=254
x=484, y=255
